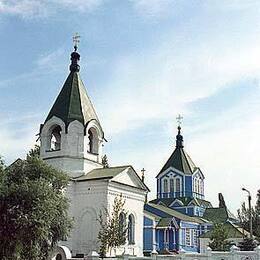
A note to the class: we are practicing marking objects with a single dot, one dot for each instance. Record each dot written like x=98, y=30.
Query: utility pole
x=250, y=212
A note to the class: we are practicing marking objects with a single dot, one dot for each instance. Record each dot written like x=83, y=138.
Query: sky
x=143, y=62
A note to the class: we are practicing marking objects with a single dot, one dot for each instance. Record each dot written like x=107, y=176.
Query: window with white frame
x=195, y=237
x=165, y=185
x=171, y=185
x=188, y=236
x=177, y=184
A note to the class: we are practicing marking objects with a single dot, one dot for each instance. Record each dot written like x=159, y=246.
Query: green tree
x=248, y=244
x=243, y=216
x=33, y=209
x=219, y=238
x=105, y=161
x=113, y=227
x=34, y=152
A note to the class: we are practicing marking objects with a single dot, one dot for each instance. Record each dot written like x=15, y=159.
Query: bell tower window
x=93, y=141
x=55, y=142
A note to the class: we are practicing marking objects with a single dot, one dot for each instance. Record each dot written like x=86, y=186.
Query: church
x=71, y=139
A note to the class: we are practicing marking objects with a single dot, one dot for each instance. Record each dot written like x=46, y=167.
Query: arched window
x=122, y=222
x=165, y=185
x=131, y=229
x=55, y=139
x=178, y=185
x=93, y=140
x=171, y=185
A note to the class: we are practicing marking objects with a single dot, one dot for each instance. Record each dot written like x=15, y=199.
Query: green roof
x=181, y=161
x=73, y=102
x=102, y=173
x=176, y=214
x=164, y=222
x=218, y=215
x=233, y=231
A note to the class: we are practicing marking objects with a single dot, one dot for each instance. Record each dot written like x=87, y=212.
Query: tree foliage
x=105, y=161
x=219, y=238
x=113, y=227
x=34, y=152
x=33, y=209
x=243, y=216
x=248, y=244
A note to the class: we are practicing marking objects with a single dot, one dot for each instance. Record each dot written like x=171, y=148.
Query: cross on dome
x=76, y=41
x=179, y=119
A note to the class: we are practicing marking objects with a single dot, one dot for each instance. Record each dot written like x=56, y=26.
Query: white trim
x=173, y=170
x=176, y=200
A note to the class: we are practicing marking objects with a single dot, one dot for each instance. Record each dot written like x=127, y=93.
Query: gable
x=130, y=178
x=198, y=173
x=176, y=203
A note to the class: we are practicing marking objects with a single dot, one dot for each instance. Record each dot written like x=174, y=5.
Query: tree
x=243, y=216
x=34, y=152
x=248, y=244
x=113, y=227
x=33, y=209
x=105, y=161
x=219, y=238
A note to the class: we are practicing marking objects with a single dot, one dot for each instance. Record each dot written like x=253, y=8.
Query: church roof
x=110, y=174
x=102, y=173
x=73, y=102
x=168, y=212
x=219, y=215
x=179, y=159
x=233, y=231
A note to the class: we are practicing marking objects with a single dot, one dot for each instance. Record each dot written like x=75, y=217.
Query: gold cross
x=76, y=38
x=179, y=119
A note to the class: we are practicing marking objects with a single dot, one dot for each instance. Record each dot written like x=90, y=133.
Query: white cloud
x=17, y=141
x=159, y=83
x=42, y=8
x=154, y=8
x=23, y=8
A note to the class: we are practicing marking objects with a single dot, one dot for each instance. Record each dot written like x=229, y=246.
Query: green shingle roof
x=102, y=173
x=233, y=231
x=73, y=102
x=181, y=161
x=218, y=215
x=164, y=222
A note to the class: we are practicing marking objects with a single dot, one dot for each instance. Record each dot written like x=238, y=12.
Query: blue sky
x=143, y=62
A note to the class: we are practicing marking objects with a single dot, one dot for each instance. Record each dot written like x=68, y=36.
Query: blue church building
x=174, y=220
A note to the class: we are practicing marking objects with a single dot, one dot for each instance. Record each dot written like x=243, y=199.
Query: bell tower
x=71, y=136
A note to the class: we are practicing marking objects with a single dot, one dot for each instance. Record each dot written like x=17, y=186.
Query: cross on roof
x=143, y=170
x=76, y=38
x=179, y=119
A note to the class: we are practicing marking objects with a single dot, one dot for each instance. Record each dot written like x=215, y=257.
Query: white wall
x=134, y=204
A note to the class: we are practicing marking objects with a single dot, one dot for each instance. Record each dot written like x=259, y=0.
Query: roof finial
x=74, y=66
x=143, y=170
x=76, y=41
x=179, y=137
